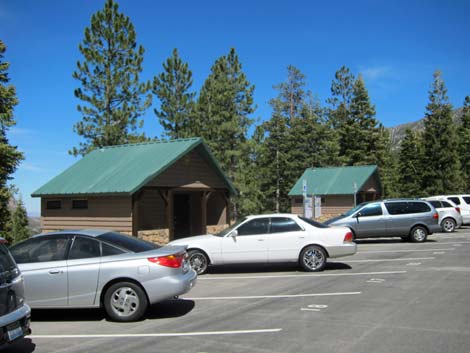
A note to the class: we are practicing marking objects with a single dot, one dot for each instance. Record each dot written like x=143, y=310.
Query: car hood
x=191, y=240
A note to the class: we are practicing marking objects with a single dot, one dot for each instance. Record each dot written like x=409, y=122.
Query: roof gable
x=125, y=169
x=334, y=181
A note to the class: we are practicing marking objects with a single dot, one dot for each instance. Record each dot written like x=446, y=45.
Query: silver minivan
x=14, y=313
x=411, y=220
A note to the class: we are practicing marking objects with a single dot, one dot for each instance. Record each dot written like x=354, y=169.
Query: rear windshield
x=313, y=223
x=127, y=242
x=455, y=200
x=466, y=199
x=6, y=260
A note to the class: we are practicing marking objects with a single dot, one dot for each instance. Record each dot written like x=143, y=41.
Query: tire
x=125, y=301
x=418, y=234
x=448, y=225
x=198, y=261
x=313, y=258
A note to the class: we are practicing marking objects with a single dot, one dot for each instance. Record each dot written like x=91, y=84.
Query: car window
x=109, y=250
x=417, y=207
x=84, y=248
x=435, y=204
x=314, y=223
x=466, y=199
x=374, y=209
x=283, y=224
x=42, y=249
x=127, y=242
x=455, y=200
x=446, y=204
x=6, y=261
x=396, y=208
x=255, y=226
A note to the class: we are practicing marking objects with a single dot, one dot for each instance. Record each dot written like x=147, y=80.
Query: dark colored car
x=14, y=313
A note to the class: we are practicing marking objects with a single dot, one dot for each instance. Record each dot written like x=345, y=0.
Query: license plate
x=14, y=332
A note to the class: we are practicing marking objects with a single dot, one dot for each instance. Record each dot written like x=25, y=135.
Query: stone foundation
x=216, y=229
x=157, y=236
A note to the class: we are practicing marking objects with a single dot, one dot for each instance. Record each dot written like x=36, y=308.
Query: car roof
x=86, y=232
x=271, y=215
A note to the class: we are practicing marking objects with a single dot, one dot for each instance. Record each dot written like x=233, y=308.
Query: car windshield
x=130, y=243
x=229, y=229
x=354, y=209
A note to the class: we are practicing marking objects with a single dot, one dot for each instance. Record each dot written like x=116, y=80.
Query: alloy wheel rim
x=313, y=258
x=448, y=226
x=125, y=301
x=198, y=263
x=419, y=234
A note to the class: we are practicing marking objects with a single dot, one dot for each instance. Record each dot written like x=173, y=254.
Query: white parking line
x=202, y=333
x=277, y=296
x=407, y=250
x=207, y=278
x=399, y=259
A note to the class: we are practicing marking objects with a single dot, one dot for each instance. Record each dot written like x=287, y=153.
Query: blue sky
x=396, y=45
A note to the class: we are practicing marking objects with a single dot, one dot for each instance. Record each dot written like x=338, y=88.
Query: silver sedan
x=90, y=268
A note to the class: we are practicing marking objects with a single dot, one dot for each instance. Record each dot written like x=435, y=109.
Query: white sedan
x=271, y=238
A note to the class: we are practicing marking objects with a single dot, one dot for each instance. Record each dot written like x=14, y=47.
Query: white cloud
x=376, y=73
x=30, y=167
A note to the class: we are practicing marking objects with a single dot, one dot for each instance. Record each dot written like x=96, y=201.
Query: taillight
x=173, y=261
x=348, y=237
x=457, y=209
x=435, y=215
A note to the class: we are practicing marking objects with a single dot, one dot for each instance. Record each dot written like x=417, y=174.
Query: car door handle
x=55, y=272
x=260, y=239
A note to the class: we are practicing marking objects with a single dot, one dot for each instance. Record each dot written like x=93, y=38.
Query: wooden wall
x=105, y=212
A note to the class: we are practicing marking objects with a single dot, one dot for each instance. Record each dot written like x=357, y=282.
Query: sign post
x=304, y=194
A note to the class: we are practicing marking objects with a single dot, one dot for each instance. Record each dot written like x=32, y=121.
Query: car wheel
x=448, y=225
x=125, y=301
x=313, y=258
x=418, y=234
x=198, y=261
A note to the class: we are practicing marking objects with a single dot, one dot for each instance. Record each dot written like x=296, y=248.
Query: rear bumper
x=168, y=287
x=435, y=228
x=20, y=317
x=346, y=249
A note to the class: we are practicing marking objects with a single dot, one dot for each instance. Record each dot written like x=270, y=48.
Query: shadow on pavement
x=24, y=345
x=267, y=268
x=386, y=241
x=166, y=309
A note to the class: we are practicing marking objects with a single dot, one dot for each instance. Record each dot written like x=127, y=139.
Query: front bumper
x=20, y=318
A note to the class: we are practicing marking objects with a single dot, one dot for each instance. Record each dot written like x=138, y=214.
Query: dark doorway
x=182, y=216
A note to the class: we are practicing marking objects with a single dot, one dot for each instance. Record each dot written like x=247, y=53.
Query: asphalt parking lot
x=390, y=297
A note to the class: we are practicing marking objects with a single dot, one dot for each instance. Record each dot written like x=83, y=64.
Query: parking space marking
x=281, y=296
x=201, y=333
x=399, y=259
x=438, y=252
x=301, y=276
x=414, y=264
x=314, y=307
x=376, y=280
x=404, y=250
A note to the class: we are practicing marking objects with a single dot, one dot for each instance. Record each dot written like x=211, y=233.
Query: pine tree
x=10, y=157
x=223, y=113
x=464, y=144
x=18, y=226
x=410, y=165
x=110, y=87
x=177, y=103
x=441, y=174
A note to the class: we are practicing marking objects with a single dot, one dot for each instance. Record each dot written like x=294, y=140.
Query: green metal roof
x=333, y=181
x=125, y=169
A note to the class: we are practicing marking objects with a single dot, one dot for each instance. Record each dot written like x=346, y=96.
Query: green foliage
x=110, y=87
x=464, y=144
x=10, y=157
x=222, y=118
x=18, y=226
x=177, y=103
x=410, y=165
x=441, y=174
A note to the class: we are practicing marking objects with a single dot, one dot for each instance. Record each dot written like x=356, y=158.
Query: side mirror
x=359, y=214
x=234, y=233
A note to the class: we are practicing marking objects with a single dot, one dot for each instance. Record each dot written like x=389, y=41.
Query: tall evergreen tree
x=10, y=157
x=223, y=113
x=18, y=226
x=177, y=103
x=410, y=165
x=111, y=90
x=464, y=144
x=442, y=172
